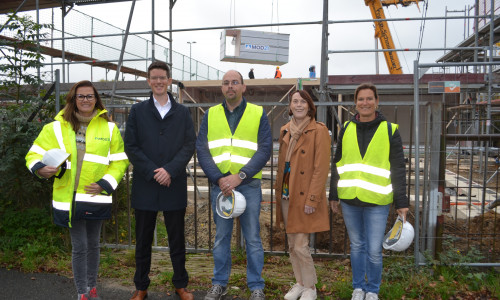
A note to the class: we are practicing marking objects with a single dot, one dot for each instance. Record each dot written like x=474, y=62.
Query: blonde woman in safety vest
x=81, y=197
x=368, y=175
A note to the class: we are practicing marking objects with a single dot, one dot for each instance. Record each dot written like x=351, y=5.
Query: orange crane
x=383, y=33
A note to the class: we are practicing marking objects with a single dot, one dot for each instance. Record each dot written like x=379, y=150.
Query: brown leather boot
x=184, y=294
x=139, y=295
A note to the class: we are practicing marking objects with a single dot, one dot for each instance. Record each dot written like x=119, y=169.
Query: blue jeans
x=366, y=227
x=250, y=226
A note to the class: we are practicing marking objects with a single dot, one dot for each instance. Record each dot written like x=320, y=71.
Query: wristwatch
x=242, y=175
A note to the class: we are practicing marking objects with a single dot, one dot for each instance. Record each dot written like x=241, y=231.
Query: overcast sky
x=305, y=40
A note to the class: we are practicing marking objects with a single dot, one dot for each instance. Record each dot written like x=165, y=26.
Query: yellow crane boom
x=383, y=33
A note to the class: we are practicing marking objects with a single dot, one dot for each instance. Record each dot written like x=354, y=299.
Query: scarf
x=81, y=142
x=296, y=130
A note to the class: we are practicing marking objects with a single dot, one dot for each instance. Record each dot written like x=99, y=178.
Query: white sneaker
x=371, y=296
x=295, y=291
x=358, y=294
x=308, y=294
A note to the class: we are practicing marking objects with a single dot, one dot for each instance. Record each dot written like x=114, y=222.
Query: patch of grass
x=112, y=264
x=165, y=278
x=30, y=241
x=237, y=283
x=238, y=256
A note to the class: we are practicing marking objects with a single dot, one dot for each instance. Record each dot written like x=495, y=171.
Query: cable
x=399, y=42
x=277, y=13
x=272, y=13
x=232, y=12
x=422, y=28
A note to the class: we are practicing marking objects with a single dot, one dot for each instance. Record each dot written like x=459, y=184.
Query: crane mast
x=383, y=33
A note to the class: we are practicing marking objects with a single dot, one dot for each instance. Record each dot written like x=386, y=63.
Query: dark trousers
x=145, y=222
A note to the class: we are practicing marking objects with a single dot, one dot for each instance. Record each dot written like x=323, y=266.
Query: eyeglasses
x=160, y=78
x=81, y=97
x=232, y=82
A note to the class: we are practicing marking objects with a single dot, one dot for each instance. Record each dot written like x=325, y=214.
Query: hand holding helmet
x=400, y=237
x=232, y=206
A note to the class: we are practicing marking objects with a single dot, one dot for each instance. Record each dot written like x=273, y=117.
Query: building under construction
x=449, y=117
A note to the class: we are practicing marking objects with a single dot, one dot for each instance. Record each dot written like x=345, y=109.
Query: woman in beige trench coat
x=303, y=165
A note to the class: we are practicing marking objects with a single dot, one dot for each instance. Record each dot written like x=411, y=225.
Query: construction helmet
x=54, y=157
x=277, y=68
x=400, y=237
x=230, y=206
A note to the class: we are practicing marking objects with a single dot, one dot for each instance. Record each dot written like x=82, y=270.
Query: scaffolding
x=451, y=140
x=83, y=39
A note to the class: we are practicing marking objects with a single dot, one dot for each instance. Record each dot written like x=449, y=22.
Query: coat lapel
x=286, y=135
x=153, y=108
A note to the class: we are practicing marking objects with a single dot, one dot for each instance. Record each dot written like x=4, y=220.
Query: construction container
x=254, y=47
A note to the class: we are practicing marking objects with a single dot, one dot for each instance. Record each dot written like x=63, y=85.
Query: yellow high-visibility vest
x=231, y=152
x=104, y=158
x=367, y=178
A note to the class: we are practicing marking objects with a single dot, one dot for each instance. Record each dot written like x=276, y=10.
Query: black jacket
x=365, y=132
x=152, y=142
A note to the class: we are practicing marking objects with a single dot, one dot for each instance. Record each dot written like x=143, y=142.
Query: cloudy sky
x=305, y=40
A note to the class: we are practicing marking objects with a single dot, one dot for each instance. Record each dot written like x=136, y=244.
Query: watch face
x=242, y=175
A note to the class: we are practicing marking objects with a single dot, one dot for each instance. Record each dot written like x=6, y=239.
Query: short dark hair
x=159, y=65
x=365, y=86
x=304, y=95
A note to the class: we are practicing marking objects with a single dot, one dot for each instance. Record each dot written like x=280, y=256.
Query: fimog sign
x=256, y=47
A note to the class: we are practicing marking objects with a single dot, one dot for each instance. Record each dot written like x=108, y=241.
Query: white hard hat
x=230, y=206
x=400, y=237
x=54, y=157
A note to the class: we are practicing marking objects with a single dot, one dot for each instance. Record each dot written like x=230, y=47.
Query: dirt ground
x=463, y=168
x=482, y=231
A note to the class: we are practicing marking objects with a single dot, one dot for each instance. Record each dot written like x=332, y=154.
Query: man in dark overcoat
x=159, y=141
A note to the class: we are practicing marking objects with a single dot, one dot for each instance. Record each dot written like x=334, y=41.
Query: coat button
x=303, y=151
x=301, y=193
x=302, y=172
x=161, y=132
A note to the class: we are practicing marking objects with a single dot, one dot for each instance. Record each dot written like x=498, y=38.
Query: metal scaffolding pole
x=330, y=22
x=324, y=64
x=94, y=61
x=417, y=157
x=124, y=44
x=170, y=52
x=416, y=69
x=152, y=30
x=404, y=49
x=12, y=16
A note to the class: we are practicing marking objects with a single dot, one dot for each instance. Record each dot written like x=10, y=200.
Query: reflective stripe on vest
x=89, y=158
x=102, y=199
x=59, y=136
x=38, y=149
x=367, y=178
x=64, y=206
x=231, y=152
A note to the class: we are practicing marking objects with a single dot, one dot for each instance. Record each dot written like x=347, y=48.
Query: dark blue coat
x=152, y=142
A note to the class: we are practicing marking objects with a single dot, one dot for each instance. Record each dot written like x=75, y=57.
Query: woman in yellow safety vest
x=82, y=189
x=368, y=175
